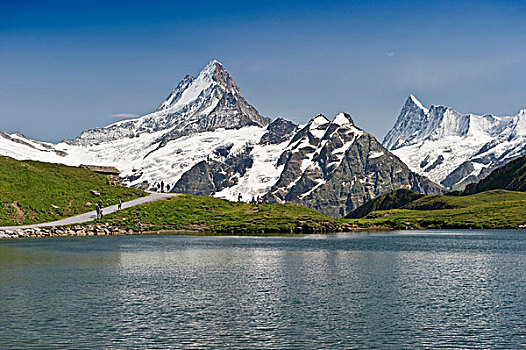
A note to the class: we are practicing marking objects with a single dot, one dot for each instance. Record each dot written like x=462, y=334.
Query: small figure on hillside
x=119, y=207
x=253, y=201
x=162, y=186
x=97, y=208
x=259, y=200
x=239, y=197
x=140, y=227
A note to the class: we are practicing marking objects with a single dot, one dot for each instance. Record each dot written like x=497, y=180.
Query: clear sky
x=66, y=66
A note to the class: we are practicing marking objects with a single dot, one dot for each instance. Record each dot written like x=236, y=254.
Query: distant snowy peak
x=417, y=123
x=452, y=148
x=412, y=100
x=175, y=95
x=343, y=119
x=411, y=119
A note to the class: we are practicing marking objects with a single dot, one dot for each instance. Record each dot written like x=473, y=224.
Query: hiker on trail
x=97, y=208
x=140, y=227
x=239, y=197
x=253, y=201
x=162, y=186
x=101, y=215
x=119, y=207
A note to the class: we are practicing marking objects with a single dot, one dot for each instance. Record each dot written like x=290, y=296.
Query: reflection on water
x=427, y=290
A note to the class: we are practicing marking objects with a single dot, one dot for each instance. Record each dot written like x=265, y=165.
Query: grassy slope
x=28, y=189
x=491, y=209
x=208, y=214
x=391, y=200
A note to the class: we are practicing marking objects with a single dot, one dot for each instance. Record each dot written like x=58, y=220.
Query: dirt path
x=92, y=215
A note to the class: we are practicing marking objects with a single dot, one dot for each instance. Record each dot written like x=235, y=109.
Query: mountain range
x=455, y=149
x=206, y=139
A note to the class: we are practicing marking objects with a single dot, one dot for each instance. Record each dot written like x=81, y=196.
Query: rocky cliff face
x=451, y=148
x=334, y=167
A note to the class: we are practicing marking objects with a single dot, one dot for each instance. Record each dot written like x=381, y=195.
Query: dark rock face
x=278, y=131
x=511, y=176
x=436, y=163
x=456, y=176
x=338, y=169
x=208, y=177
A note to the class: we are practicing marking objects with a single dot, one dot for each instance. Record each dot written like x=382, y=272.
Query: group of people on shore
x=98, y=209
x=100, y=214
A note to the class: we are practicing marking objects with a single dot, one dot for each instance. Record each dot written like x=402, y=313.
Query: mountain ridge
x=451, y=148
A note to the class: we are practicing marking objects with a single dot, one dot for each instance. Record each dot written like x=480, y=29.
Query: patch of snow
x=260, y=177
x=318, y=121
x=418, y=103
x=373, y=155
x=319, y=182
x=341, y=119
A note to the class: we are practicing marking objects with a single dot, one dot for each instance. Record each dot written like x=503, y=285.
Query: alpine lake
x=396, y=290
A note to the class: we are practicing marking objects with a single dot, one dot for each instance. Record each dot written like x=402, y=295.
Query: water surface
x=449, y=289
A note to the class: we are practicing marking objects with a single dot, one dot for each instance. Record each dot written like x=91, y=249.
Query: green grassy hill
x=208, y=214
x=33, y=192
x=490, y=209
x=391, y=200
x=511, y=176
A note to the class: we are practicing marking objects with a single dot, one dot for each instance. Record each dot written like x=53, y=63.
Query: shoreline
x=108, y=230
x=105, y=229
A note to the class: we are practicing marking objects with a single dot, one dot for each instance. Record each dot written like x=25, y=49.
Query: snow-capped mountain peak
x=452, y=148
x=208, y=102
x=413, y=117
x=318, y=121
x=190, y=88
x=413, y=100
x=343, y=119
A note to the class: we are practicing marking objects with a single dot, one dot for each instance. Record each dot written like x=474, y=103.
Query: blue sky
x=67, y=66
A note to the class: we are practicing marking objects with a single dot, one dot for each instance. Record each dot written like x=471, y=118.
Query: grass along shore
x=187, y=214
x=34, y=192
x=495, y=209
x=200, y=214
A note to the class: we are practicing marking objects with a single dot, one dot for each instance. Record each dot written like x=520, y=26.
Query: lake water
x=432, y=289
